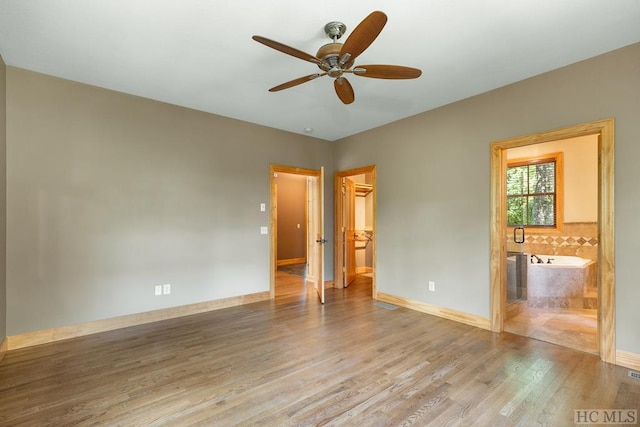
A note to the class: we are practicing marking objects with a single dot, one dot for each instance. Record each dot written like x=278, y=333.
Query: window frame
x=559, y=189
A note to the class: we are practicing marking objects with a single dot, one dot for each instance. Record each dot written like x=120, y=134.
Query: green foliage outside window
x=531, y=195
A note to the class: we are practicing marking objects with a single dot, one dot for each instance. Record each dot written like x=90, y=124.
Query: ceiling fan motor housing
x=329, y=54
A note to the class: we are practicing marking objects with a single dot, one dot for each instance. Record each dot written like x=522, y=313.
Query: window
x=533, y=190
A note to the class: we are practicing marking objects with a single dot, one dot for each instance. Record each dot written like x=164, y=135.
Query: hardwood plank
x=293, y=361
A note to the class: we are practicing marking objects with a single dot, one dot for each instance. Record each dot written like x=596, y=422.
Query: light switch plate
x=264, y=230
x=263, y=207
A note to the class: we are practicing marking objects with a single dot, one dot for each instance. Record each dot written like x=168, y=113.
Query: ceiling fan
x=336, y=59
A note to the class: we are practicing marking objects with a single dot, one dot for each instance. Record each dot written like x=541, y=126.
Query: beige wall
x=109, y=195
x=433, y=182
x=3, y=200
x=292, y=228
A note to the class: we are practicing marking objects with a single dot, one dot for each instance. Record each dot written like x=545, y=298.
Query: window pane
x=516, y=180
x=531, y=192
x=541, y=210
x=542, y=178
x=516, y=211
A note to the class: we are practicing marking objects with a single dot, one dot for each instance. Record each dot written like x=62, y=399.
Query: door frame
x=338, y=260
x=273, y=169
x=604, y=130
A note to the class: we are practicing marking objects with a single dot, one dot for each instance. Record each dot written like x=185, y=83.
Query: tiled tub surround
x=555, y=286
x=576, y=239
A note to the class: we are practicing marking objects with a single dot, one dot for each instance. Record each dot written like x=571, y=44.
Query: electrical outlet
x=166, y=288
x=158, y=290
x=432, y=286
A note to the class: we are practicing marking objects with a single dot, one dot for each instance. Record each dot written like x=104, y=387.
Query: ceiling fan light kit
x=335, y=59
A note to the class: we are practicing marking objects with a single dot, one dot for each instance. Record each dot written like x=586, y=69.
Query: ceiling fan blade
x=344, y=90
x=287, y=49
x=363, y=35
x=296, y=82
x=386, y=72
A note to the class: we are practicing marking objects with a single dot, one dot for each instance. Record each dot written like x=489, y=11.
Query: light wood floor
x=292, y=361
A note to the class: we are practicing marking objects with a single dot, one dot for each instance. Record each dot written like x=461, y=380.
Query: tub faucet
x=536, y=257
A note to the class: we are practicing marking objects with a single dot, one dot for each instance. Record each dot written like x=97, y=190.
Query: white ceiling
x=199, y=53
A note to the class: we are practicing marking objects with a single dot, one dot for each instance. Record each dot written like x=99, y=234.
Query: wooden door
x=321, y=240
x=316, y=225
x=350, y=233
x=274, y=225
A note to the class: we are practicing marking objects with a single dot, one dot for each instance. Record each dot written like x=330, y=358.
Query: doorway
x=291, y=195
x=604, y=280
x=355, y=224
x=552, y=257
x=297, y=264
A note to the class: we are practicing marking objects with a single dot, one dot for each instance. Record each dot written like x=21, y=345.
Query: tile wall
x=575, y=239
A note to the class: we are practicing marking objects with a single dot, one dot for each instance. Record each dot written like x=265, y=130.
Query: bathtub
x=559, y=261
x=561, y=282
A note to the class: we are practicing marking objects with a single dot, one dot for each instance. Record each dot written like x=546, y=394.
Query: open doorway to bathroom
x=552, y=248
x=354, y=251
x=545, y=297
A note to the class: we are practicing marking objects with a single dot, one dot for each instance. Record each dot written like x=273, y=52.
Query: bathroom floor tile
x=573, y=328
